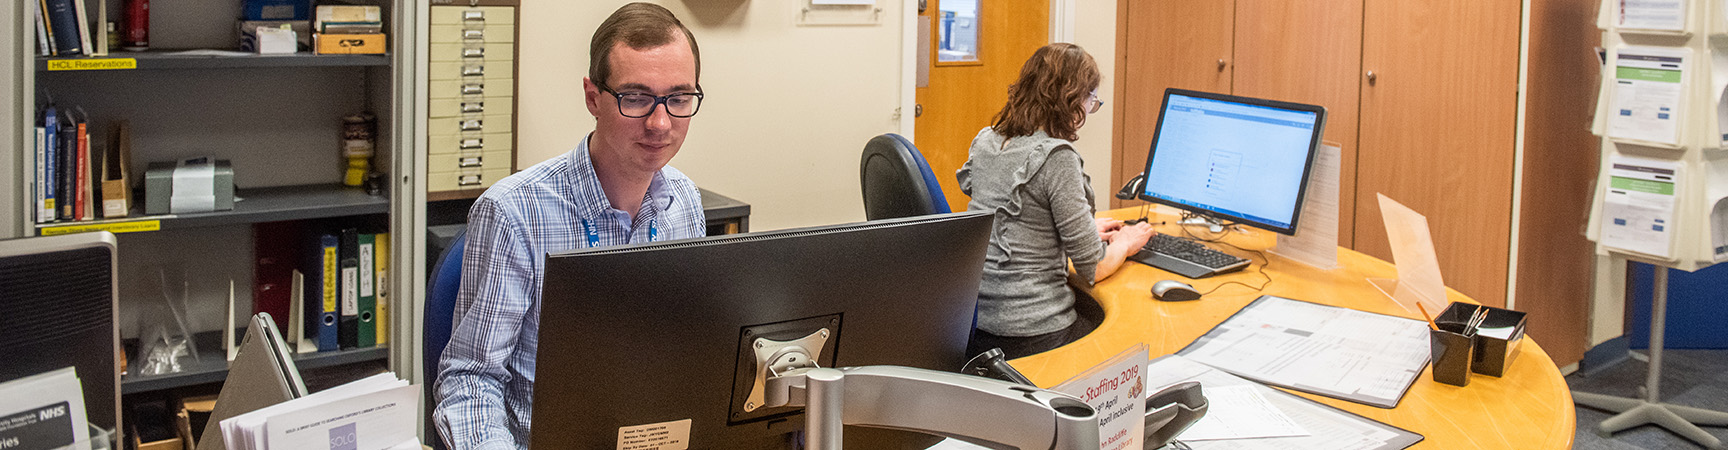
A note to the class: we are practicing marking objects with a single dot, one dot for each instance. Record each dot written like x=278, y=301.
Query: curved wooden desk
x=1530, y=408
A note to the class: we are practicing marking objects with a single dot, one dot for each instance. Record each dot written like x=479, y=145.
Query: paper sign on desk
x=1648, y=87
x=1117, y=390
x=1413, y=253
x=1638, y=210
x=1316, y=240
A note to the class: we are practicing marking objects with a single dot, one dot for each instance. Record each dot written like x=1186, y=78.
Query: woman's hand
x=1123, y=242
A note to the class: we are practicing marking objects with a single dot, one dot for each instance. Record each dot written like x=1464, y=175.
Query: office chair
x=896, y=180
x=446, y=279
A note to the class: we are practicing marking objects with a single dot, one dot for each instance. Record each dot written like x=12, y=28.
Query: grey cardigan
x=1042, y=200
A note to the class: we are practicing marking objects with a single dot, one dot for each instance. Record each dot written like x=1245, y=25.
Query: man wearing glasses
x=614, y=188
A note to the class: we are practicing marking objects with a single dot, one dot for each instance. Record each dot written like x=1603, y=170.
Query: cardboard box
x=348, y=44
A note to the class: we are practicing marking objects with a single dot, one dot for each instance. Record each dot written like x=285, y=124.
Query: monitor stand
x=1212, y=223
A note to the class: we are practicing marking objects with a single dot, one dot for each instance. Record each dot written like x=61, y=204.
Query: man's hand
x=1107, y=227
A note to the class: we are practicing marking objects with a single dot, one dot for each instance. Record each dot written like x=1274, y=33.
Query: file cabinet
x=471, y=91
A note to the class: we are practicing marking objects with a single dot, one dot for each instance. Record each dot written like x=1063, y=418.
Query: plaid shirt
x=485, y=386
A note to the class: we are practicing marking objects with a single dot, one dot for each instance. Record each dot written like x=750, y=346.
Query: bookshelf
x=172, y=60
x=277, y=118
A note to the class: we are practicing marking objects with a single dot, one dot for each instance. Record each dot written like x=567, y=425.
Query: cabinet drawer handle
x=468, y=180
x=471, y=143
x=473, y=70
x=472, y=161
x=473, y=88
x=473, y=107
x=474, y=14
x=474, y=34
x=471, y=125
x=474, y=52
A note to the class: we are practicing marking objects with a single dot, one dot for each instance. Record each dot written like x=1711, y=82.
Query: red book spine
x=82, y=209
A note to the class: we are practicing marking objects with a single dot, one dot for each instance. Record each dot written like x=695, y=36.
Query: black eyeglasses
x=637, y=105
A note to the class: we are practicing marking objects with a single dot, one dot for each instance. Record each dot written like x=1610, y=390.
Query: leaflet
x=1648, y=87
x=43, y=411
x=1667, y=15
x=1336, y=352
x=1325, y=427
x=1638, y=210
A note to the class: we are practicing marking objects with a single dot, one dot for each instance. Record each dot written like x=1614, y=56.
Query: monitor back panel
x=645, y=337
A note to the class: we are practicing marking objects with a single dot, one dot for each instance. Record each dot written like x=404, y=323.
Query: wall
x=787, y=111
x=1094, y=29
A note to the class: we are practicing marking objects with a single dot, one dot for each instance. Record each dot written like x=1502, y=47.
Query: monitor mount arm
x=991, y=413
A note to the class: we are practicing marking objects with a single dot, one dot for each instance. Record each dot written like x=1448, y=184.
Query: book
x=50, y=140
x=62, y=26
x=349, y=323
x=41, y=189
x=381, y=259
x=80, y=10
x=321, y=297
x=43, y=48
x=67, y=143
x=81, y=209
x=367, y=335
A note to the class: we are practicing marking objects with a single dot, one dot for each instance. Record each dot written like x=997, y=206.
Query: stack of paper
x=374, y=413
x=43, y=411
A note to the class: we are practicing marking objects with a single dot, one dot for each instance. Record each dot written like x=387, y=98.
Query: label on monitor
x=674, y=435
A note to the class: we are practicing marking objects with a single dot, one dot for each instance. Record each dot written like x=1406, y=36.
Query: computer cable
x=1219, y=240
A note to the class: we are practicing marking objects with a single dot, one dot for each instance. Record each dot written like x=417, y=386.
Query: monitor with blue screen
x=1234, y=158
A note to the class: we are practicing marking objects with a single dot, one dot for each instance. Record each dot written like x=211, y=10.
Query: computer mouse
x=1174, y=291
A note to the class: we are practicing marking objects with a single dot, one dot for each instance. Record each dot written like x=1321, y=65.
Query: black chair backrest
x=896, y=182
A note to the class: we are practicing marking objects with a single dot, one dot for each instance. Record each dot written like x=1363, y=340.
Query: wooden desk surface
x=1530, y=408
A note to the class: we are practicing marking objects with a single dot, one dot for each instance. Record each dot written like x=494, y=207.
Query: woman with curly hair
x=1025, y=170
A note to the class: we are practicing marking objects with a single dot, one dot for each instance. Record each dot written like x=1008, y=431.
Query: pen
x=1425, y=315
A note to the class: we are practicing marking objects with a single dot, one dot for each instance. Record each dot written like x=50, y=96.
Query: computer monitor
x=58, y=309
x=1235, y=158
x=640, y=335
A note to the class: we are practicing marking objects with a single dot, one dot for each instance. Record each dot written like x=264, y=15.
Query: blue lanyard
x=594, y=234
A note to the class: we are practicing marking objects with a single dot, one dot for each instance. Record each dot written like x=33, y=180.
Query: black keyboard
x=1186, y=257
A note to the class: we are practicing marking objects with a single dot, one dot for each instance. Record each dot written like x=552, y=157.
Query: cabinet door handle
x=471, y=125
x=473, y=88
x=474, y=14
x=474, y=70
x=473, y=107
x=1371, y=77
x=1221, y=65
x=472, y=161
x=471, y=143
x=468, y=180
x=474, y=34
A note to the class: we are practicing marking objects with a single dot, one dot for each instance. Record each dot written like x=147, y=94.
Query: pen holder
x=1498, y=339
x=1450, y=352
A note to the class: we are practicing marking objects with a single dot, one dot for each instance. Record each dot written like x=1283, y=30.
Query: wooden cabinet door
x=1437, y=128
x=1307, y=52
x=1169, y=43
